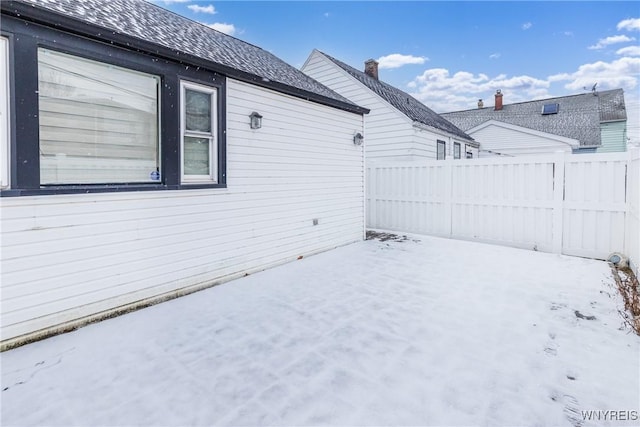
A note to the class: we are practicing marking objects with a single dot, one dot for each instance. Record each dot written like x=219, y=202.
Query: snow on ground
x=428, y=332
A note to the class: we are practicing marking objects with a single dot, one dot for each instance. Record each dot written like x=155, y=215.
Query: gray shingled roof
x=407, y=104
x=579, y=116
x=151, y=23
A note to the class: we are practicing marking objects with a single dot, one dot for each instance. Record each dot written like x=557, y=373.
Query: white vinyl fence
x=572, y=204
x=632, y=228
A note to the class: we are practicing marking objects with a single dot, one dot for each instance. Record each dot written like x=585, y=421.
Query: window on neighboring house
x=4, y=112
x=469, y=155
x=442, y=147
x=198, y=125
x=456, y=150
x=99, y=123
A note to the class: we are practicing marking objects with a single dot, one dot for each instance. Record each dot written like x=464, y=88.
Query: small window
x=469, y=155
x=550, y=109
x=456, y=150
x=4, y=112
x=442, y=147
x=98, y=122
x=198, y=125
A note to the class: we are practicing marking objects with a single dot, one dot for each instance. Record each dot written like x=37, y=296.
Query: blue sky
x=450, y=54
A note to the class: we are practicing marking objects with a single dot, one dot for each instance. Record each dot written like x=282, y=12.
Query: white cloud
x=442, y=91
x=202, y=9
x=629, y=51
x=632, y=24
x=396, y=60
x=621, y=73
x=494, y=55
x=527, y=25
x=568, y=33
x=326, y=14
x=602, y=43
x=229, y=29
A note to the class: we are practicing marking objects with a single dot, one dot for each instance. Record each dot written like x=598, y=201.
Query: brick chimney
x=371, y=68
x=498, y=104
x=480, y=103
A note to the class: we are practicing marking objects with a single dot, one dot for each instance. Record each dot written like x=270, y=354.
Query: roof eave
x=59, y=21
x=424, y=126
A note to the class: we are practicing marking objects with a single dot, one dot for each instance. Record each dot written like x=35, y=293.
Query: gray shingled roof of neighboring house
x=578, y=117
x=405, y=103
x=151, y=23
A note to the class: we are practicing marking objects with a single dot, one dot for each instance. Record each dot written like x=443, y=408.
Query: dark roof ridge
x=412, y=108
x=150, y=28
x=598, y=92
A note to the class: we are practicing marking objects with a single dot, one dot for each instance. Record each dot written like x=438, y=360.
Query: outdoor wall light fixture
x=358, y=139
x=256, y=120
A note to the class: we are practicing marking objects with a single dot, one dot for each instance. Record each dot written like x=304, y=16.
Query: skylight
x=550, y=109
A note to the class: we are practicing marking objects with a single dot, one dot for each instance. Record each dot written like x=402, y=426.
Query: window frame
x=440, y=143
x=24, y=41
x=212, y=136
x=106, y=66
x=457, y=150
x=5, y=112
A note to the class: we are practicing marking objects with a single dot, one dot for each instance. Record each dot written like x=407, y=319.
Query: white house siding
x=498, y=139
x=389, y=134
x=425, y=145
x=66, y=257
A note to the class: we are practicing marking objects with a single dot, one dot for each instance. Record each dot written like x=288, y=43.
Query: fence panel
x=594, y=204
x=563, y=203
x=632, y=228
x=504, y=201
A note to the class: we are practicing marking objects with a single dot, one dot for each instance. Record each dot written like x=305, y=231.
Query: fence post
x=372, y=189
x=448, y=197
x=558, y=201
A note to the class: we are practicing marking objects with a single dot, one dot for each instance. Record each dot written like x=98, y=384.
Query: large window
x=4, y=112
x=98, y=122
x=198, y=124
x=90, y=117
x=442, y=149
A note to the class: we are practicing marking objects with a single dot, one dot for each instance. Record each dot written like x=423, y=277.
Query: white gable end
x=505, y=138
x=389, y=134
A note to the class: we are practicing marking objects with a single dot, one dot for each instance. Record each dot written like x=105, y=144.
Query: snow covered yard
x=423, y=331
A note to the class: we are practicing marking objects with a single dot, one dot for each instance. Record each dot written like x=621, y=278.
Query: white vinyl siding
x=388, y=133
x=198, y=129
x=113, y=249
x=5, y=123
x=511, y=141
x=98, y=122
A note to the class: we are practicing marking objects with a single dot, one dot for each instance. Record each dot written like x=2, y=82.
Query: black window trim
x=444, y=152
x=459, y=153
x=24, y=41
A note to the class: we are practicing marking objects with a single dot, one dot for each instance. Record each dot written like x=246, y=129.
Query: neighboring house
x=399, y=126
x=589, y=122
x=146, y=156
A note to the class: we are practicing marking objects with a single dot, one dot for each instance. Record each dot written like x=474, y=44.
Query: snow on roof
x=151, y=23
